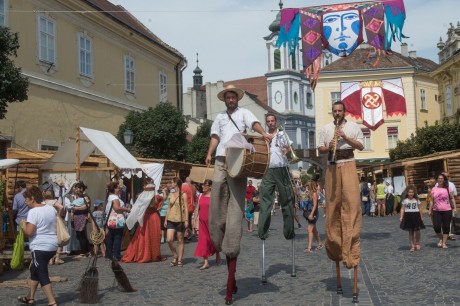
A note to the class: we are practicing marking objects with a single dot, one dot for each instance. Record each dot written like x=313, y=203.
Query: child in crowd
x=411, y=217
x=79, y=201
x=99, y=217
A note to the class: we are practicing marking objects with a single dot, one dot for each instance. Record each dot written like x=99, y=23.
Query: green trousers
x=276, y=178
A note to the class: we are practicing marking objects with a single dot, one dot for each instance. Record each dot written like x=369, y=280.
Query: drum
x=242, y=163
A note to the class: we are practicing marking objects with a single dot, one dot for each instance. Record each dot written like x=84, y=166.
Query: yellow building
x=89, y=63
x=448, y=73
x=420, y=92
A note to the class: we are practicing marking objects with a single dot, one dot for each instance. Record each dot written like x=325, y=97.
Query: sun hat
x=239, y=92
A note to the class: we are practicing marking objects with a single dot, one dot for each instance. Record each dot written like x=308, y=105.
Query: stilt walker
x=228, y=193
x=277, y=179
x=339, y=139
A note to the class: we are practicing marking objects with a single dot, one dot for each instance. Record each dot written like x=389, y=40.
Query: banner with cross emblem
x=365, y=100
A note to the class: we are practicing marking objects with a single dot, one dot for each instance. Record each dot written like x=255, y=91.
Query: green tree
x=198, y=147
x=13, y=86
x=439, y=137
x=158, y=132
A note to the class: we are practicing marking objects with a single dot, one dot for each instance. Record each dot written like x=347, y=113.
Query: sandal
x=417, y=246
x=179, y=263
x=173, y=263
x=58, y=261
x=444, y=246
x=26, y=300
x=319, y=247
x=440, y=244
x=52, y=261
x=412, y=250
x=307, y=250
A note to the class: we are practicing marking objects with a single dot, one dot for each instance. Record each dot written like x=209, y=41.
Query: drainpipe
x=415, y=104
x=179, y=80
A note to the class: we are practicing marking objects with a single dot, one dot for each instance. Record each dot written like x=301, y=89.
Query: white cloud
x=228, y=35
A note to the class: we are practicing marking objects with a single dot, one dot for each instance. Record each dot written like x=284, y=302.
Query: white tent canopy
x=65, y=157
x=153, y=170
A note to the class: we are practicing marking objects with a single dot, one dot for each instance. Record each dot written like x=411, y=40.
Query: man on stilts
x=228, y=194
x=339, y=139
x=276, y=177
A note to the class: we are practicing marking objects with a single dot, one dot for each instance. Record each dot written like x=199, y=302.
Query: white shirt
x=44, y=238
x=277, y=157
x=389, y=189
x=351, y=129
x=109, y=203
x=224, y=128
x=411, y=205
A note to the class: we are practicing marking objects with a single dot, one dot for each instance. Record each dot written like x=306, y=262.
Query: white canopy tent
x=69, y=157
x=75, y=151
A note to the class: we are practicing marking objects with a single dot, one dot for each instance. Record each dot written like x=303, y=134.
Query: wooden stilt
x=355, y=285
x=339, y=281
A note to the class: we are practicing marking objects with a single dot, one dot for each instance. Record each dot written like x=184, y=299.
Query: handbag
x=62, y=234
x=17, y=260
x=115, y=220
x=456, y=225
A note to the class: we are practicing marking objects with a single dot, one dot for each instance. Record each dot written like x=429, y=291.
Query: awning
x=199, y=174
x=8, y=163
x=91, y=139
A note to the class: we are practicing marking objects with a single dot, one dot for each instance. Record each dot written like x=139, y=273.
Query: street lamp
x=128, y=136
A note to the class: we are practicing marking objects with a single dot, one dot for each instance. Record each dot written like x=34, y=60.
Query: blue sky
x=228, y=34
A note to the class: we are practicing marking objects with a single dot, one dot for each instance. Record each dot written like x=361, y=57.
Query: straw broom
x=89, y=284
x=121, y=277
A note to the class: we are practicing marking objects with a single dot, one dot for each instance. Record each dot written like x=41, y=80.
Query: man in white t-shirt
x=228, y=194
x=277, y=177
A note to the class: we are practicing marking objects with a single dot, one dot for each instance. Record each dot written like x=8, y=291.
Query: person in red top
x=249, y=190
x=187, y=189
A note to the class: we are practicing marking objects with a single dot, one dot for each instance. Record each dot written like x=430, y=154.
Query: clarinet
x=336, y=139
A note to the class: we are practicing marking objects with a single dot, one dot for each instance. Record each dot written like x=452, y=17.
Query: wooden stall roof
x=414, y=160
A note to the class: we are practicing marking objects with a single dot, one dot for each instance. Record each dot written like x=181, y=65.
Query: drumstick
x=206, y=173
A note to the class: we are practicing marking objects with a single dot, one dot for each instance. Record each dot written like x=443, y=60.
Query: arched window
x=277, y=59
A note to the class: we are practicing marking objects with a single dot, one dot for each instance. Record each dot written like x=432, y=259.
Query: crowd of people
x=213, y=210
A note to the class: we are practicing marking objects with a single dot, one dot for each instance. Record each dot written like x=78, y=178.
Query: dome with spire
x=197, y=70
x=275, y=25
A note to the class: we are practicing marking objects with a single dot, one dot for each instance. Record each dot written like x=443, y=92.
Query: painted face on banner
x=341, y=29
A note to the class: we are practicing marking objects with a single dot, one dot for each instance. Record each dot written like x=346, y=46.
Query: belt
x=342, y=154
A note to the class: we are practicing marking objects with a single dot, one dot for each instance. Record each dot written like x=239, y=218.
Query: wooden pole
x=77, y=147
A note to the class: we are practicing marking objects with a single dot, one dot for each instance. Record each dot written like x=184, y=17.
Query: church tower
x=288, y=89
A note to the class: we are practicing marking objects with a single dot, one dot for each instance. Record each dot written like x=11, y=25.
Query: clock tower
x=289, y=91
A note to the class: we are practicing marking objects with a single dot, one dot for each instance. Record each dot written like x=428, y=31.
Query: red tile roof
x=364, y=59
x=256, y=86
x=121, y=15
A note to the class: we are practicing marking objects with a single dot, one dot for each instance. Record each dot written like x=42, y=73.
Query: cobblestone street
x=388, y=274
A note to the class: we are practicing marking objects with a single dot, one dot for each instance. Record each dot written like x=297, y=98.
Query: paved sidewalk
x=388, y=274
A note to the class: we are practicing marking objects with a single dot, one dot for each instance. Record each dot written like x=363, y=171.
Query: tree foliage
x=198, y=147
x=440, y=137
x=158, y=132
x=13, y=86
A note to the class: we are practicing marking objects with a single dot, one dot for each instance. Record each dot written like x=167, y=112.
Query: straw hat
x=239, y=92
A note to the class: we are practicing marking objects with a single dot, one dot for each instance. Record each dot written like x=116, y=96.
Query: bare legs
x=179, y=253
x=313, y=231
x=46, y=289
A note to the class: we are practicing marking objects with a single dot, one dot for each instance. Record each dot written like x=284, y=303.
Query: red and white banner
x=364, y=100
